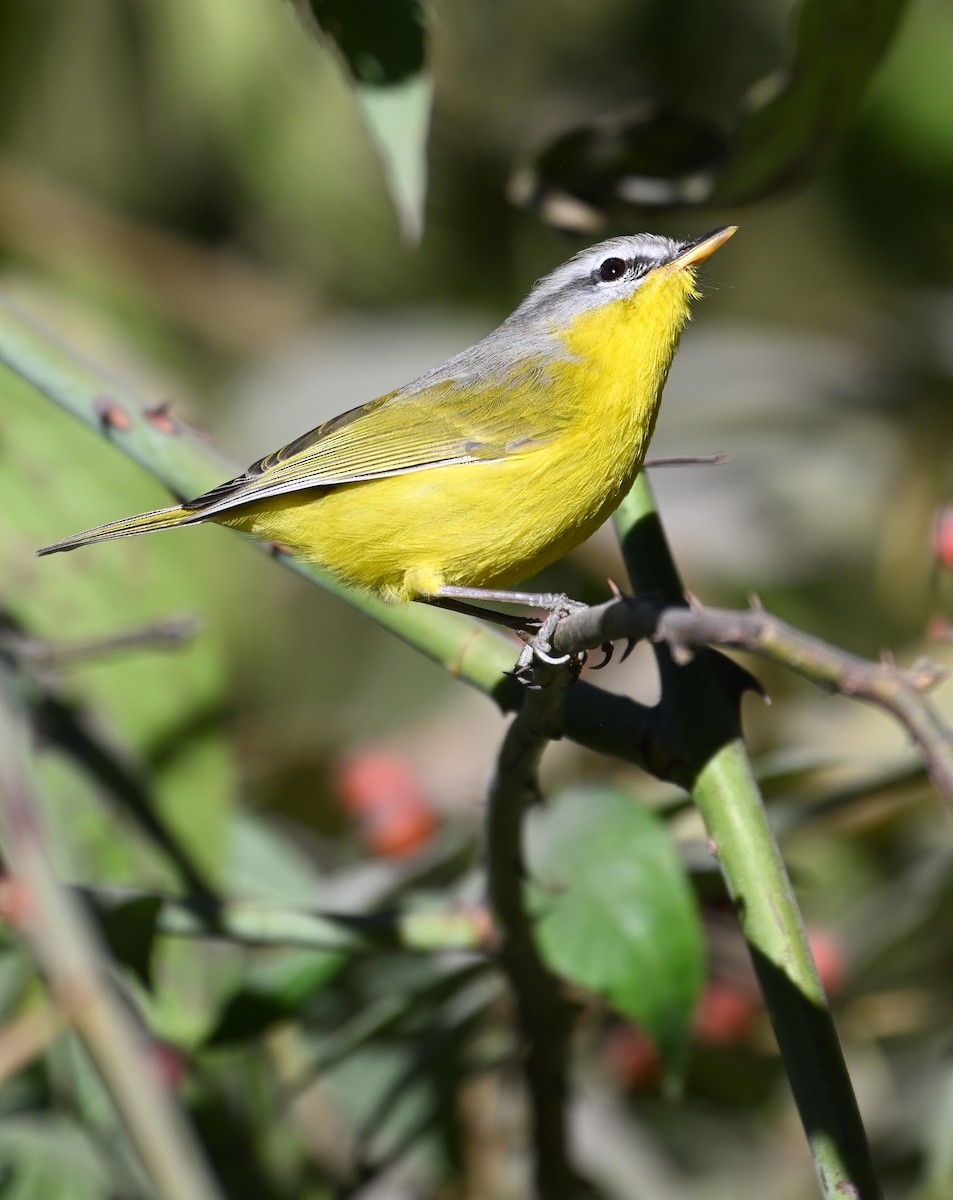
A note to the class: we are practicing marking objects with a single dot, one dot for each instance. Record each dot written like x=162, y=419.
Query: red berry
x=381, y=792
x=725, y=1014
x=943, y=537
x=633, y=1057
x=829, y=959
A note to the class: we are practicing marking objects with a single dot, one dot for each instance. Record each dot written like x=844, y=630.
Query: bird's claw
x=537, y=648
x=608, y=649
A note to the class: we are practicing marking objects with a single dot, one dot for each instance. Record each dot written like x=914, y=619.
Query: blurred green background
x=189, y=196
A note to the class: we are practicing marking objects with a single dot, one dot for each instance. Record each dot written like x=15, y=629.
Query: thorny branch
x=903, y=693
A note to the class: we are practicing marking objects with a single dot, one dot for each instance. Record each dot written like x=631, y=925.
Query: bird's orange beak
x=701, y=248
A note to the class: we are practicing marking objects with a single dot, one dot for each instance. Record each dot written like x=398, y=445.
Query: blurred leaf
x=661, y=157
x=614, y=911
x=263, y=862
x=47, y=1156
x=154, y=715
x=272, y=992
x=383, y=43
x=129, y=927
x=795, y=118
x=382, y=40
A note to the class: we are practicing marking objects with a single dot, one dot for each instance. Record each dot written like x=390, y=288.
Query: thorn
x=277, y=549
x=755, y=603
x=693, y=602
x=160, y=418
x=630, y=645
x=614, y=589
x=111, y=415
x=887, y=660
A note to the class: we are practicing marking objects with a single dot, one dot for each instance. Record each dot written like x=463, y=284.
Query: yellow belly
x=466, y=525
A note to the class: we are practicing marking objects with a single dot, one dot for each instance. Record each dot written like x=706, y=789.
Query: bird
x=489, y=467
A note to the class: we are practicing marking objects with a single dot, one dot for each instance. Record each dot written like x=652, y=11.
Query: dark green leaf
x=382, y=40
x=129, y=927
x=274, y=991
x=614, y=911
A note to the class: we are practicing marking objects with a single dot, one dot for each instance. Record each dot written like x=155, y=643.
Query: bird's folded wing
x=393, y=435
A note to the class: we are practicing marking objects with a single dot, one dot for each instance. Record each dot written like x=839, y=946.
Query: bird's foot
x=538, y=649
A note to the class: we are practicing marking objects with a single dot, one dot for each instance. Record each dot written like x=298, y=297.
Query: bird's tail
x=162, y=518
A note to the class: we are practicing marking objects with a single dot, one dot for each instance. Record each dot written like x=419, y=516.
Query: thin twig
x=687, y=460
x=44, y=654
x=69, y=954
x=899, y=692
x=543, y=1016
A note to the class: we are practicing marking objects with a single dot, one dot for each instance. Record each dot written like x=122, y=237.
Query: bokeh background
x=189, y=197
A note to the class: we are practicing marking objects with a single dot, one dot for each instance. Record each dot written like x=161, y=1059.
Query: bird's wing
x=409, y=430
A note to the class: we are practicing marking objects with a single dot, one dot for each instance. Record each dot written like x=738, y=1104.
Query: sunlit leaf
x=614, y=912
x=383, y=43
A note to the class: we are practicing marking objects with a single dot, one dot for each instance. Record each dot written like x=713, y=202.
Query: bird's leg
x=550, y=601
x=537, y=633
x=507, y=620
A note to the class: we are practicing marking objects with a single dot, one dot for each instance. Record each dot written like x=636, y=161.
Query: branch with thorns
x=903, y=693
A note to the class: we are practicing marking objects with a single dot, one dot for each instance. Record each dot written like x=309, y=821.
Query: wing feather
x=409, y=430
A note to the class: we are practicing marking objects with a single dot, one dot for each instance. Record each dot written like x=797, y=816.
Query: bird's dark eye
x=612, y=268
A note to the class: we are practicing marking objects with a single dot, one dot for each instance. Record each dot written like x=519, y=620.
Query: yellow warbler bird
x=489, y=467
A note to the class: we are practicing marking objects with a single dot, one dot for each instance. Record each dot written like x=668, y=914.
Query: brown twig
x=542, y=1013
x=44, y=654
x=900, y=692
x=68, y=952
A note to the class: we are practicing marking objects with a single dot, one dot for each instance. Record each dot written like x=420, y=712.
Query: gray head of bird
x=611, y=270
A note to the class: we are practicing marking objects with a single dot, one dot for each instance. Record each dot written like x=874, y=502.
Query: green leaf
x=47, y=1156
x=383, y=43
x=129, y=927
x=614, y=911
x=274, y=991
x=139, y=727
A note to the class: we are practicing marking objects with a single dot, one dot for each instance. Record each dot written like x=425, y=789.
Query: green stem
x=700, y=714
